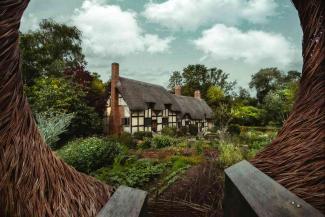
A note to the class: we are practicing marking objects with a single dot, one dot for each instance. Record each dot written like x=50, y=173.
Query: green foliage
x=140, y=135
x=270, y=79
x=97, y=85
x=126, y=139
x=279, y=103
x=199, y=146
x=234, y=129
x=229, y=154
x=182, y=131
x=215, y=95
x=184, y=161
x=136, y=174
x=175, y=79
x=146, y=143
x=247, y=115
x=161, y=141
x=169, y=131
x=52, y=125
x=257, y=139
x=87, y=155
x=193, y=129
x=50, y=50
x=265, y=81
x=199, y=77
x=86, y=122
x=223, y=115
x=59, y=95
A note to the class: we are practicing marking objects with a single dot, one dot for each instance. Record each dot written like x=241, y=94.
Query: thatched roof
x=196, y=108
x=139, y=95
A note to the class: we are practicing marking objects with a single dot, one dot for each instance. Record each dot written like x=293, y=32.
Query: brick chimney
x=178, y=90
x=197, y=94
x=115, y=119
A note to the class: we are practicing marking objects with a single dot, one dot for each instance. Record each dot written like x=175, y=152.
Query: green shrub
x=145, y=144
x=193, y=130
x=169, y=131
x=234, y=129
x=161, y=141
x=141, y=135
x=136, y=174
x=182, y=161
x=199, y=147
x=126, y=139
x=90, y=154
x=52, y=125
x=182, y=131
x=251, y=153
x=229, y=154
x=257, y=139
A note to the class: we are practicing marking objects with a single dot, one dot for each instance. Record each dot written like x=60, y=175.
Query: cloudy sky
x=152, y=38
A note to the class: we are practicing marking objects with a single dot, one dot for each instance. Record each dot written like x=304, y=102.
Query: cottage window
x=165, y=121
x=147, y=122
x=126, y=121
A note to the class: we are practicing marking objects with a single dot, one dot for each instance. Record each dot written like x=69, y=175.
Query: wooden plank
x=249, y=192
x=125, y=202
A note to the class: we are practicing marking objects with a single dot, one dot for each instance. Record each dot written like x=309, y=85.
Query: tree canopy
x=199, y=77
x=50, y=50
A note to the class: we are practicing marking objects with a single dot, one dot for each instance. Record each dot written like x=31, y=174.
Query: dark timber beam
x=251, y=193
x=125, y=202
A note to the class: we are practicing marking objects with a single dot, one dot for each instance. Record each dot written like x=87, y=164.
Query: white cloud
x=191, y=14
x=253, y=47
x=29, y=22
x=155, y=44
x=109, y=31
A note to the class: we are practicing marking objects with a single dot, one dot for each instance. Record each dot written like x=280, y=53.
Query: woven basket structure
x=33, y=181
x=296, y=158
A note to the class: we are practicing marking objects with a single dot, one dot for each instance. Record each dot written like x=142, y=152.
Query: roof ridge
x=143, y=82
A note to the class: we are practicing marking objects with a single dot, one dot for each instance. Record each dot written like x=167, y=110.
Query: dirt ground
x=197, y=193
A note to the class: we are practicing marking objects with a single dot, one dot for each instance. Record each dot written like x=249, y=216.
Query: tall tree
x=50, y=50
x=265, y=81
x=175, y=79
x=199, y=77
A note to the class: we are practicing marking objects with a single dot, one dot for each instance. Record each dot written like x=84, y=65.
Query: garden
x=183, y=174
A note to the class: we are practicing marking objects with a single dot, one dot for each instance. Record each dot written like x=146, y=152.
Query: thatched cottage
x=138, y=106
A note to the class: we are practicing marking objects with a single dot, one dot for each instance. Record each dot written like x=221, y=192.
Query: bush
x=182, y=131
x=234, y=129
x=145, y=144
x=141, y=135
x=51, y=125
x=182, y=161
x=193, y=130
x=229, y=154
x=169, y=131
x=136, y=174
x=199, y=147
x=126, y=139
x=90, y=154
x=162, y=141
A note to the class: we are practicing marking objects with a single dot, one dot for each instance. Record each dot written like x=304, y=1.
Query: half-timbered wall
x=136, y=121
x=145, y=120
x=203, y=125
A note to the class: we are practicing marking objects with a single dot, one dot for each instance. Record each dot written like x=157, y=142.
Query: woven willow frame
x=33, y=181
x=296, y=158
